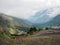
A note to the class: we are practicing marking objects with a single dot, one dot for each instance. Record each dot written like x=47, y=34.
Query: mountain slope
x=40, y=17
x=45, y=15
x=12, y=25
x=54, y=22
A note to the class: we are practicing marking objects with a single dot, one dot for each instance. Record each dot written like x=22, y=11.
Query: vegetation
x=39, y=29
x=11, y=27
x=34, y=30
x=46, y=28
x=4, y=36
x=43, y=40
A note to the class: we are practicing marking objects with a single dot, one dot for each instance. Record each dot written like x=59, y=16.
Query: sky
x=25, y=8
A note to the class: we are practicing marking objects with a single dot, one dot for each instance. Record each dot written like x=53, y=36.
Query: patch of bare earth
x=47, y=33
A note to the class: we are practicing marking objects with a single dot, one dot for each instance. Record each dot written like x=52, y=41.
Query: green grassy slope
x=12, y=25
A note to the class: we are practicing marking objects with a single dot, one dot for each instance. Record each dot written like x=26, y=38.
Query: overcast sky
x=25, y=8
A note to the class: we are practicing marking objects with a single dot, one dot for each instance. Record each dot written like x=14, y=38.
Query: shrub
x=46, y=28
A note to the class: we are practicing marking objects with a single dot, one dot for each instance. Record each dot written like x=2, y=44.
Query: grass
x=43, y=40
x=4, y=36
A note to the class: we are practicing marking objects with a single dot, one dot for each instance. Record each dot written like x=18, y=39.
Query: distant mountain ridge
x=45, y=15
x=54, y=22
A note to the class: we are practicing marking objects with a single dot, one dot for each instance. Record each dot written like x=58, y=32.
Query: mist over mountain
x=54, y=22
x=45, y=15
x=43, y=18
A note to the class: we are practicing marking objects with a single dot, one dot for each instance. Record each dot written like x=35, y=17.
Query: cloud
x=25, y=8
x=54, y=11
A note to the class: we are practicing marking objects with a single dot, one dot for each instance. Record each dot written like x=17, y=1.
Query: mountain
x=12, y=25
x=40, y=17
x=54, y=22
x=44, y=15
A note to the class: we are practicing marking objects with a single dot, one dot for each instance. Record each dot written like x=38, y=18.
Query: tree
x=40, y=29
x=32, y=29
x=46, y=28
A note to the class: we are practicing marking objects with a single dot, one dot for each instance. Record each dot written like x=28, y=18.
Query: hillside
x=12, y=25
x=53, y=22
x=44, y=15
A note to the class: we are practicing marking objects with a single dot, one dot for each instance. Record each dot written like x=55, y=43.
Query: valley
x=15, y=31
x=29, y=22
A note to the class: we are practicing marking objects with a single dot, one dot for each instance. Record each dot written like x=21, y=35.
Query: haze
x=25, y=8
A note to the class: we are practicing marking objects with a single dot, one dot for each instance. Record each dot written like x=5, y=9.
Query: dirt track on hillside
x=47, y=33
